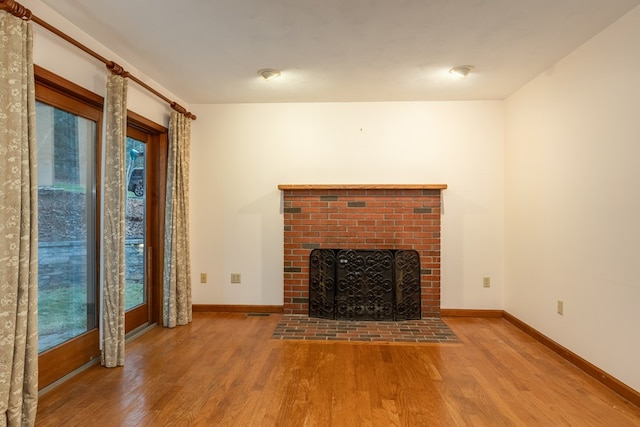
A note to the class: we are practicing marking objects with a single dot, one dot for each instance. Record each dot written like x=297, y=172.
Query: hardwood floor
x=225, y=370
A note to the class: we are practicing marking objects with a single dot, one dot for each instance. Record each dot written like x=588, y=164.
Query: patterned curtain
x=18, y=226
x=114, y=205
x=177, y=262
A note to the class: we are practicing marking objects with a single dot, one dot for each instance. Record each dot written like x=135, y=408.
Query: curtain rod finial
x=180, y=109
x=117, y=69
x=16, y=9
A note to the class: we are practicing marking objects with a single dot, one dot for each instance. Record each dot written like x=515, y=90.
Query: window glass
x=135, y=224
x=66, y=225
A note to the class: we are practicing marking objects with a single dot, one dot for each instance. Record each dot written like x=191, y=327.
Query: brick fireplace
x=395, y=217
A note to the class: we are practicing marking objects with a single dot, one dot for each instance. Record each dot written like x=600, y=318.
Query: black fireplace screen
x=364, y=284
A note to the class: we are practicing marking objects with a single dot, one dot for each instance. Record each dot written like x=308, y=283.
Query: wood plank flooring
x=225, y=370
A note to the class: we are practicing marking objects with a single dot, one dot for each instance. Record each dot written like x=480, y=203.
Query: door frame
x=61, y=93
x=156, y=173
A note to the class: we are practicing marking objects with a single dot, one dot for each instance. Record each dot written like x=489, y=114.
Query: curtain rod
x=22, y=12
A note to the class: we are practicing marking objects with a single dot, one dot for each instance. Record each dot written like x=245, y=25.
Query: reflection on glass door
x=66, y=223
x=135, y=290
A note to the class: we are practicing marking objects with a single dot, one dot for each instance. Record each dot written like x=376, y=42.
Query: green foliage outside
x=62, y=311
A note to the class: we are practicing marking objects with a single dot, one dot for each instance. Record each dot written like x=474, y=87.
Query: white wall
x=65, y=60
x=573, y=201
x=241, y=152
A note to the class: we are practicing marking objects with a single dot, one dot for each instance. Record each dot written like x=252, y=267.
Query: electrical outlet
x=560, y=308
x=236, y=278
x=203, y=277
x=486, y=282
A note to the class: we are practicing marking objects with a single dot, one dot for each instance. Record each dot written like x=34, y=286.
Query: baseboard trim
x=611, y=382
x=237, y=308
x=590, y=369
x=455, y=312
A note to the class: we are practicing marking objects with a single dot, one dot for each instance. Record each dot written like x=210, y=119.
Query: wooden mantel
x=302, y=187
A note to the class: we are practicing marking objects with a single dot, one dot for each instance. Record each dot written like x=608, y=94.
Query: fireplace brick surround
x=361, y=217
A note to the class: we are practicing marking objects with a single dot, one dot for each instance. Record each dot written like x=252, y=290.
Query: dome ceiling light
x=269, y=73
x=461, y=71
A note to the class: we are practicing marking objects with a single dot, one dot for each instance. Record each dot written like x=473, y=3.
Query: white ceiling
x=209, y=51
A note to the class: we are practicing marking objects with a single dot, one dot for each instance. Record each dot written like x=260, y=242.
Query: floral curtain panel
x=18, y=226
x=177, y=262
x=114, y=205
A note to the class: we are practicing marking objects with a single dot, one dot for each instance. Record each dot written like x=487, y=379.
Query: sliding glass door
x=144, y=242
x=68, y=130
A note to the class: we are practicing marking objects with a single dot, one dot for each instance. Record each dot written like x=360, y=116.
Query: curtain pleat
x=18, y=226
x=177, y=262
x=113, y=239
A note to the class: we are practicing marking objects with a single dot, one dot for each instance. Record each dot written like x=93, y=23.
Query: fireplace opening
x=353, y=284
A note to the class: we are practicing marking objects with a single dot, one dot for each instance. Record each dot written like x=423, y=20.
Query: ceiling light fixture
x=269, y=73
x=461, y=71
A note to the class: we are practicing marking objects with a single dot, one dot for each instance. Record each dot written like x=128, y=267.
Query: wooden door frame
x=61, y=93
x=156, y=193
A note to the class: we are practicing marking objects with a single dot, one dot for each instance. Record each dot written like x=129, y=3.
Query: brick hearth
x=360, y=217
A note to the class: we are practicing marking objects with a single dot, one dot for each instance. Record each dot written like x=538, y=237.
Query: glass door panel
x=66, y=225
x=135, y=244
x=146, y=171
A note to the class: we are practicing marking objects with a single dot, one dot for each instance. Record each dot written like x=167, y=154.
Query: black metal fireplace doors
x=364, y=284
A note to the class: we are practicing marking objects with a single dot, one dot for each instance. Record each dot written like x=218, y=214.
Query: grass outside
x=62, y=311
